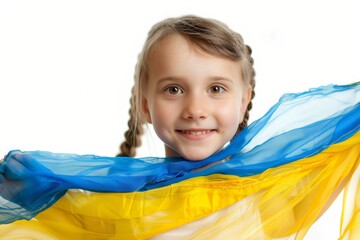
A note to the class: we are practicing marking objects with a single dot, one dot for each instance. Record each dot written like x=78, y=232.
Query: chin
x=195, y=157
x=187, y=154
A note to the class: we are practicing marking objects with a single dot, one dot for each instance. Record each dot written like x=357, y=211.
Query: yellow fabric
x=282, y=202
x=350, y=221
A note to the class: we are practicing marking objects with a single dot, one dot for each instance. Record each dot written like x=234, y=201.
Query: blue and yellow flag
x=274, y=180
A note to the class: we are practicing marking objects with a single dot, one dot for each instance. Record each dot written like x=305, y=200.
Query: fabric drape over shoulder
x=274, y=180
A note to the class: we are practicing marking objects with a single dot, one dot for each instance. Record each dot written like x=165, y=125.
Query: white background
x=66, y=67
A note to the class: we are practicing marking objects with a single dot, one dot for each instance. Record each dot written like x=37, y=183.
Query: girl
x=194, y=82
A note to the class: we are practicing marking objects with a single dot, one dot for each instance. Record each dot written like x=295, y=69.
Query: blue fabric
x=299, y=125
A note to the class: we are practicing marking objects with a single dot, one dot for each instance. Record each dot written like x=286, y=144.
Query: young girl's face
x=194, y=100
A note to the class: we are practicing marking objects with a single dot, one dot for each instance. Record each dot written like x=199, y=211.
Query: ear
x=145, y=109
x=246, y=98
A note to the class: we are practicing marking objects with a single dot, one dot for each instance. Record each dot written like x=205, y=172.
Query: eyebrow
x=165, y=79
x=219, y=78
x=211, y=79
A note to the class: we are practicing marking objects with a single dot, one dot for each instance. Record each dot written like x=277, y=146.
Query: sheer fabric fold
x=272, y=181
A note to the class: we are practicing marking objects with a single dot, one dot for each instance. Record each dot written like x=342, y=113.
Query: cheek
x=163, y=122
x=230, y=115
x=161, y=115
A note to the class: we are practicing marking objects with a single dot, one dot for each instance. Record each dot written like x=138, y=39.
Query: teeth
x=195, y=132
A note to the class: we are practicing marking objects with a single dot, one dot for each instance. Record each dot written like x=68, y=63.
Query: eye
x=173, y=90
x=216, y=89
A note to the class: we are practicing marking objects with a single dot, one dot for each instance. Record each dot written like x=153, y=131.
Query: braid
x=244, y=123
x=133, y=134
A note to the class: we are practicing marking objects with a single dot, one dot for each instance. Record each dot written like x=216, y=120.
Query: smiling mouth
x=194, y=132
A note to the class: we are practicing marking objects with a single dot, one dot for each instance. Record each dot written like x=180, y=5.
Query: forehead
x=171, y=45
x=176, y=53
x=176, y=43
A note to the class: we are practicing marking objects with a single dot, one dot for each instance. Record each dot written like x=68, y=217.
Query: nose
x=195, y=108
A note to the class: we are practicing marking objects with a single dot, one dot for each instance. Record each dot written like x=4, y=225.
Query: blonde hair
x=210, y=35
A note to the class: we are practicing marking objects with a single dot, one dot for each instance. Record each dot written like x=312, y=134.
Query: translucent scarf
x=274, y=180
